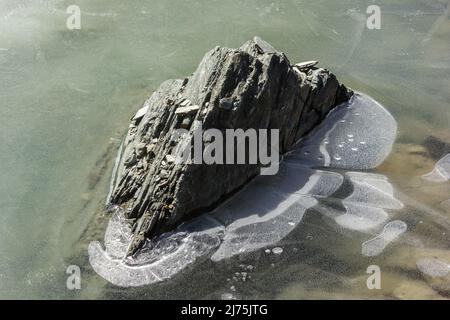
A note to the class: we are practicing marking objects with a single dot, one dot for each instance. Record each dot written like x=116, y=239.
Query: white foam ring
x=271, y=207
x=441, y=171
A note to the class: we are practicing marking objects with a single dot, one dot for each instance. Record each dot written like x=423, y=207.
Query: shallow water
x=66, y=98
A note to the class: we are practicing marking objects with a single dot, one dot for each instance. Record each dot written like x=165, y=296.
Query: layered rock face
x=253, y=87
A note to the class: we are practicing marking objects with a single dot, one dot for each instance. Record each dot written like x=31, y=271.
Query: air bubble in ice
x=227, y=296
x=277, y=250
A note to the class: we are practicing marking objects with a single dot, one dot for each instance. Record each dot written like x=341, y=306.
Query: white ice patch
x=270, y=207
x=157, y=260
x=441, y=171
x=391, y=231
x=373, y=190
x=262, y=228
x=360, y=217
x=366, y=206
x=356, y=135
x=299, y=179
x=433, y=267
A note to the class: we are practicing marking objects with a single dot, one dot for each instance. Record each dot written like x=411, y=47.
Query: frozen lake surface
x=67, y=96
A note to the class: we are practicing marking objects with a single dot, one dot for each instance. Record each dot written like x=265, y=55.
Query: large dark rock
x=254, y=86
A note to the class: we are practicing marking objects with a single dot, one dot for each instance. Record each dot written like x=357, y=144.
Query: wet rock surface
x=255, y=87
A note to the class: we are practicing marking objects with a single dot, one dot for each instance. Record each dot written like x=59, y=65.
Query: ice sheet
x=361, y=217
x=157, y=260
x=357, y=135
